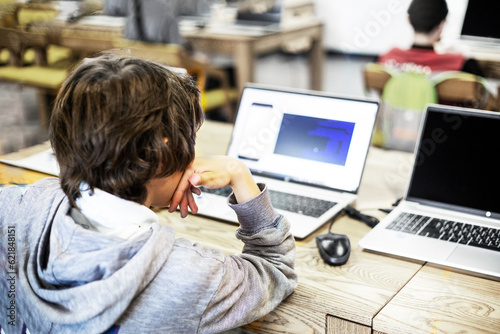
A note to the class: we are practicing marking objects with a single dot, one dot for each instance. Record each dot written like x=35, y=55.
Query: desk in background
x=370, y=292
x=243, y=45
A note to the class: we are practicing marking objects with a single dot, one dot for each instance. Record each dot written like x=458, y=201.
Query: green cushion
x=26, y=16
x=215, y=98
x=409, y=90
x=37, y=76
x=57, y=56
x=4, y=56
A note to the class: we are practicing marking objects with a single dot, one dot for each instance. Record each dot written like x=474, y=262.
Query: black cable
x=355, y=214
x=333, y=219
x=396, y=203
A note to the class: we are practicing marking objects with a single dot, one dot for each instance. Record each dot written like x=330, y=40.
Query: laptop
x=450, y=214
x=308, y=147
x=480, y=31
x=480, y=28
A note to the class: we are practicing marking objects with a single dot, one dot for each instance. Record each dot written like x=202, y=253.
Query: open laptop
x=450, y=214
x=480, y=31
x=304, y=145
x=480, y=28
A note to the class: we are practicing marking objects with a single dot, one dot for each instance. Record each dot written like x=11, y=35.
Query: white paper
x=44, y=162
x=103, y=20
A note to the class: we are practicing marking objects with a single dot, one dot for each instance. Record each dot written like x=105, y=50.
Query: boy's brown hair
x=119, y=122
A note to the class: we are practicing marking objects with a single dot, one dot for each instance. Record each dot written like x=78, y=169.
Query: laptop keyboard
x=307, y=206
x=452, y=231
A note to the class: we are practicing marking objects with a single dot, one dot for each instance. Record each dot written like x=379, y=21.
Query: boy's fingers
x=183, y=207
x=195, y=179
x=195, y=190
x=191, y=201
x=180, y=191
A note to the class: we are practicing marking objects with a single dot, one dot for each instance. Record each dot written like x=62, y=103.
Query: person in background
x=115, y=7
x=149, y=21
x=92, y=257
x=428, y=17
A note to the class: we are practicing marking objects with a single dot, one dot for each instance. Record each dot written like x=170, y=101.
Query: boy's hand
x=213, y=172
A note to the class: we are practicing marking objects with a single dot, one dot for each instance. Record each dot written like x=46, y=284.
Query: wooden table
x=243, y=45
x=371, y=291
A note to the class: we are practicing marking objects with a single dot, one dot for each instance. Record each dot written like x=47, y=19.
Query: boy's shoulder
x=16, y=193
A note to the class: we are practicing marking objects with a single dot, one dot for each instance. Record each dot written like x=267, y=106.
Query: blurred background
x=41, y=40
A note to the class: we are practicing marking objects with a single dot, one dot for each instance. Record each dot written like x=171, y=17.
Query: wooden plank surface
x=437, y=300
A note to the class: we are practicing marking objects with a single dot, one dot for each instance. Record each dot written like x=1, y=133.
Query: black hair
x=426, y=15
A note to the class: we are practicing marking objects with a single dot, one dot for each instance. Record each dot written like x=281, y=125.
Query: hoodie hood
x=79, y=276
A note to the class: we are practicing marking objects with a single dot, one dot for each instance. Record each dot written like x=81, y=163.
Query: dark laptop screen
x=456, y=163
x=481, y=20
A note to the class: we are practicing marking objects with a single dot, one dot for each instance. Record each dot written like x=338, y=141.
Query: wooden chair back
x=466, y=91
x=220, y=97
x=375, y=77
x=168, y=54
x=452, y=88
x=18, y=41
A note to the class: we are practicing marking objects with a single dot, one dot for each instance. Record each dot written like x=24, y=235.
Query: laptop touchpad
x=475, y=258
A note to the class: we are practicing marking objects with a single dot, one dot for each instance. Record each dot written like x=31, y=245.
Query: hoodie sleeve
x=256, y=281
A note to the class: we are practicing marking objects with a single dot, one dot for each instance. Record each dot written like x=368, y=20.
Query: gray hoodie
x=56, y=276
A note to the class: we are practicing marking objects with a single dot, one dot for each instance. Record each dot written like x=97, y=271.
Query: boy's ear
x=165, y=140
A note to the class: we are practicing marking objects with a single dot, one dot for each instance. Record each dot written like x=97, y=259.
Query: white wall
x=374, y=26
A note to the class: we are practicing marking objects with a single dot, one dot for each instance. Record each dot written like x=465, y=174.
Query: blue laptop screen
x=316, y=139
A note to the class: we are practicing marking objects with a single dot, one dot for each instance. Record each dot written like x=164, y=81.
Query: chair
x=375, y=76
x=176, y=56
x=46, y=79
x=17, y=42
x=30, y=13
x=465, y=90
x=452, y=87
x=85, y=44
x=404, y=96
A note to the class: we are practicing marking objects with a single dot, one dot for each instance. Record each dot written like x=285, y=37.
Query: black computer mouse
x=334, y=248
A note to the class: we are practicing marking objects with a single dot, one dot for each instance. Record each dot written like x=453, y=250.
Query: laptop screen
x=304, y=136
x=456, y=161
x=481, y=21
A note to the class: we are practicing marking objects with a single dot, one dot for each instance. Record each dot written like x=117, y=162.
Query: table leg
x=244, y=64
x=316, y=60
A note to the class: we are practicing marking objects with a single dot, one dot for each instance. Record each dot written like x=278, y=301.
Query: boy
x=427, y=18
x=90, y=256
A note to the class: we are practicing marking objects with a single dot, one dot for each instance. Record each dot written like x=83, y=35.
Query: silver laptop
x=479, y=36
x=450, y=214
x=480, y=28
x=309, y=148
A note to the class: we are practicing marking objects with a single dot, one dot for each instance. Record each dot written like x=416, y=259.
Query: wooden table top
x=371, y=291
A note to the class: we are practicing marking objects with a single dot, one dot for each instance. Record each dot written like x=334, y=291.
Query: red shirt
x=425, y=57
